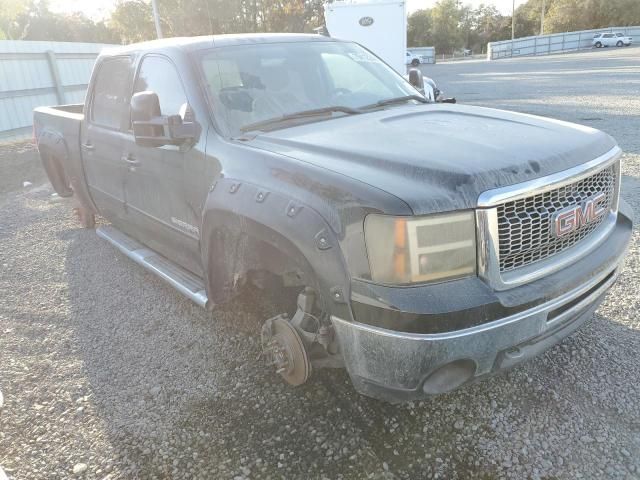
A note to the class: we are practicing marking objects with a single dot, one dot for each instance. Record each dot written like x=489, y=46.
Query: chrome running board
x=182, y=280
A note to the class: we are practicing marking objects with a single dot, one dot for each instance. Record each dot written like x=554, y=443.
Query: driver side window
x=158, y=74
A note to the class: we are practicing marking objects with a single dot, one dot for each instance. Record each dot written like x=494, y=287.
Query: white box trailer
x=380, y=26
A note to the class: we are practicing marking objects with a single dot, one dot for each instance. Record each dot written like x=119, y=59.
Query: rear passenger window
x=110, y=92
x=158, y=75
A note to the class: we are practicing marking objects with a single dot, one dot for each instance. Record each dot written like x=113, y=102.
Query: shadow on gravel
x=184, y=392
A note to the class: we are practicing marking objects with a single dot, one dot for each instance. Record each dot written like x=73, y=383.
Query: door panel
x=157, y=204
x=101, y=137
x=101, y=150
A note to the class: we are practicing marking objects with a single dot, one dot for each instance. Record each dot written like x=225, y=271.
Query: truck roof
x=215, y=41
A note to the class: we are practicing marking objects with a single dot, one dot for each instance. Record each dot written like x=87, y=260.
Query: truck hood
x=439, y=157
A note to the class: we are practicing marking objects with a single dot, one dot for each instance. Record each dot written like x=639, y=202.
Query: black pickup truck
x=429, y=245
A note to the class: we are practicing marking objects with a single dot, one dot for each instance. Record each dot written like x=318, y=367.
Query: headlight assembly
x=432, y=248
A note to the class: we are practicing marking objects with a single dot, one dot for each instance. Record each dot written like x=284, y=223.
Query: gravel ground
x=109, y=373
x=19, y=163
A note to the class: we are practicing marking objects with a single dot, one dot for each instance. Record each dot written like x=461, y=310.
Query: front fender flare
x=237, y=210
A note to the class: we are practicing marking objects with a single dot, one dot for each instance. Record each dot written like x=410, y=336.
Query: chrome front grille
x=524, y=224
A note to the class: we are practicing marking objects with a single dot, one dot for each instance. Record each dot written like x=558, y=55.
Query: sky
x=98, y=9
x=503, y=6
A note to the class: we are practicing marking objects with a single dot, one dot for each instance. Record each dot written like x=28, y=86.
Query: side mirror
x=416, y=80
x=145, y=106
x=152, y=129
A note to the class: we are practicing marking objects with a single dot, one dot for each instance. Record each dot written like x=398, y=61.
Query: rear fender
x=240, y=218
x=53, y=152
x=64, y=169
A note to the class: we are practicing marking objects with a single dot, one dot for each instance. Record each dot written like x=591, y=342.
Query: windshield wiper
x=391, y=101
x=296, y=115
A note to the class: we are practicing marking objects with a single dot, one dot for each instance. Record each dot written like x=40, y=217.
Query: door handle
x=88, y=146
x=130, y=160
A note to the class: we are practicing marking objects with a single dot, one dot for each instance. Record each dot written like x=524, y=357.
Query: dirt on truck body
x=303, y=164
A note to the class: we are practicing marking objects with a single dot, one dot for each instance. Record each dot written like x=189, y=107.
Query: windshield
x=250, y=84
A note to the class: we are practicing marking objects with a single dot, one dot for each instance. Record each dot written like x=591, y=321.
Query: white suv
x=611, y=39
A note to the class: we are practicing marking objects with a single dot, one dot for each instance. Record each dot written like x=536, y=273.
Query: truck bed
x=57, y=134
x=73, y=111
x=71, y=108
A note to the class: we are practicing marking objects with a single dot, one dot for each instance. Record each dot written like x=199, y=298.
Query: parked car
x=412, y=59
x=611, y=39
x=429, y=245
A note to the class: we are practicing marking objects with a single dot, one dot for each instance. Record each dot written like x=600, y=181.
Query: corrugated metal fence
x=555, y=43
x=40, y=73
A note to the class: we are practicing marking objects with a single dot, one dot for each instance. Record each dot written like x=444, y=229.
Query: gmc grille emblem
x=570, y=219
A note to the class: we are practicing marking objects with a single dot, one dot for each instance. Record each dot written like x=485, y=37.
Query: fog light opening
x=449, y=377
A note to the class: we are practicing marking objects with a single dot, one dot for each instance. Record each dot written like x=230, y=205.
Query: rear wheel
x=86, y=217
x=598, y=45
x=57, y=176
x=619, y=44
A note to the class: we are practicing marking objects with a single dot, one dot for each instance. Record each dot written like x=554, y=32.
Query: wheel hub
x=285, y=350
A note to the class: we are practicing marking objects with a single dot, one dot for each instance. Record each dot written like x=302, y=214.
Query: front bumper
x=399, y=366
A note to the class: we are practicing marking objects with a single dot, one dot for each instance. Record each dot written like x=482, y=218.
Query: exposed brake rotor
x=284, y=347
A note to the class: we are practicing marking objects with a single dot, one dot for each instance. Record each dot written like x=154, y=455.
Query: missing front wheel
x=296, y=345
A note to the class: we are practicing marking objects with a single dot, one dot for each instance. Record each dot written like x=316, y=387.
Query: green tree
x=446, y=16
x=490, y=25
x=450, y=27
x=10, y=11
x=572, y=15
x=528, y=18
x=132, y=20
x=34, y=21
x=419, y=29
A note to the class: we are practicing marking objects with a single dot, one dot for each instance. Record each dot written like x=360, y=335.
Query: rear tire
x=57, y=176
x=619, y=44
x=598, y=45
x=86, y=217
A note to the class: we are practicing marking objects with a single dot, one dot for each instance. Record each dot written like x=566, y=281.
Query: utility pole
x=542, y=18
x=513, y=19
x=156, y=18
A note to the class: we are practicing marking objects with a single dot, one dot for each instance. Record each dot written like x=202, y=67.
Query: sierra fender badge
x=187, y=227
